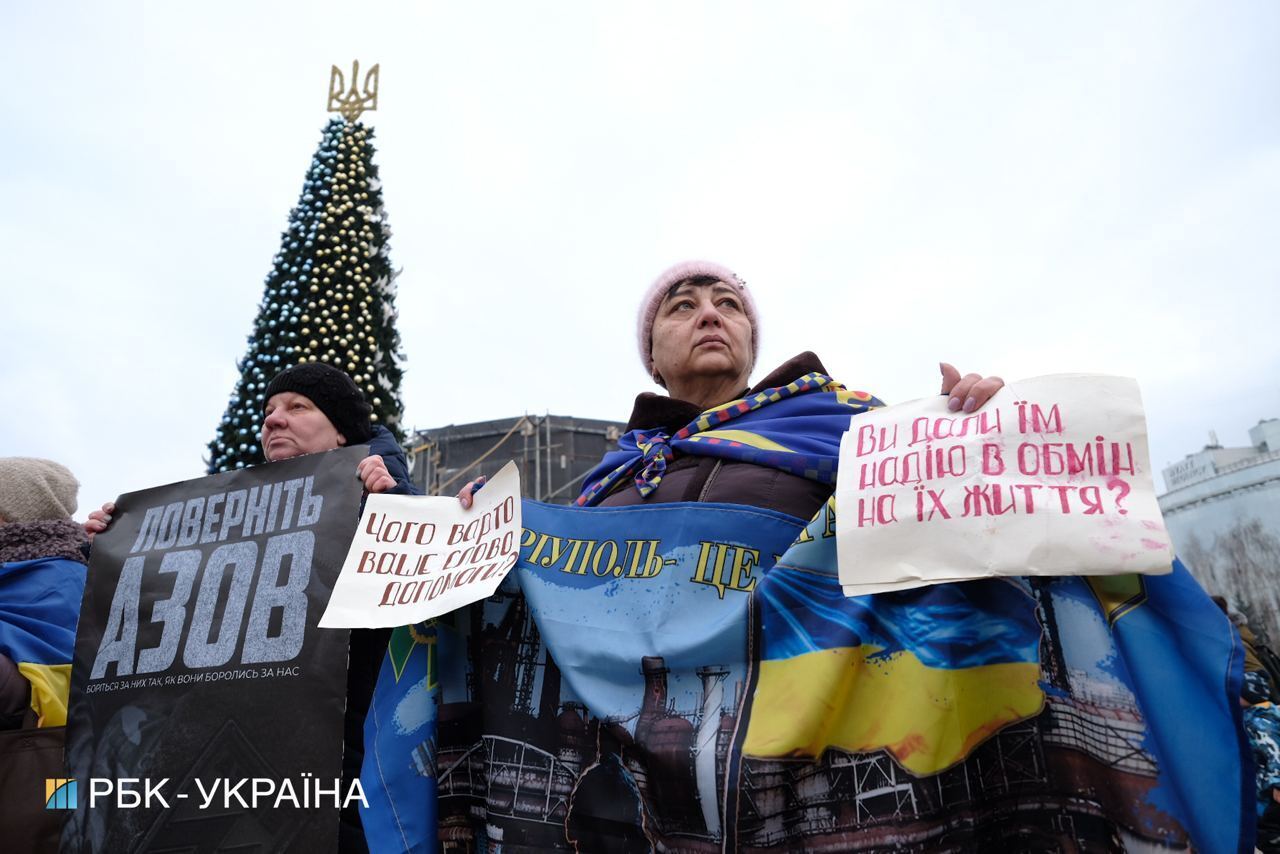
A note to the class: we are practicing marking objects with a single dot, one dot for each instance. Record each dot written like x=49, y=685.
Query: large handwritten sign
x=201, y=680
x=1051, y=477
x=414, y=557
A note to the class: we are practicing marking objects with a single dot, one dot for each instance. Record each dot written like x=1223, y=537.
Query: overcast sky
x=1019, y=188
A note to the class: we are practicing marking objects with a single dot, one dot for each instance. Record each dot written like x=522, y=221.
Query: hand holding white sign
x=416, y=557
x=1051, y=477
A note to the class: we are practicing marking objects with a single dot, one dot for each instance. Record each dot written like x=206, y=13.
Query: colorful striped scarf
x=795, y=428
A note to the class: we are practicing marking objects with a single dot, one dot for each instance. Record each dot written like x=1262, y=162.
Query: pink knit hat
x=657, y=292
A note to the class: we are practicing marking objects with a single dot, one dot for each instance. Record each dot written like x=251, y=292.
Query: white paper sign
x=1050, y=477
x=416, y=557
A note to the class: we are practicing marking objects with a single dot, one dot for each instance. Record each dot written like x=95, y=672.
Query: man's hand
x=969, y=392
x=99, y=520
x=373, y=473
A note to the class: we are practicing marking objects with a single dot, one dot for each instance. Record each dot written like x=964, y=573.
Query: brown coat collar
x=657, y=410
x=48, y=538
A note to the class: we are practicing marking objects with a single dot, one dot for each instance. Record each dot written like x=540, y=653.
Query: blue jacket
x=384, y=443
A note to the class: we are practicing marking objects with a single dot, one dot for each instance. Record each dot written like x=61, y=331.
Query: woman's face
x=294, y=426
x=702, y=332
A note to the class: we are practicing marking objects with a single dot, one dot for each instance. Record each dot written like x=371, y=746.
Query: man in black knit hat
x=311, y=408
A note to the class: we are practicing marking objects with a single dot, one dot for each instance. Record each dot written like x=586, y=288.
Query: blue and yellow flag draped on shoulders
x=795, y=428
x=690, y=677
x=39, y=604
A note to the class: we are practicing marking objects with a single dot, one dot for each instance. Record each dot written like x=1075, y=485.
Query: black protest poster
x=206, y=705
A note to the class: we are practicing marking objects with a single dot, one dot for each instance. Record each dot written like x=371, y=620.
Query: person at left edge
x=42, y=577
x=311, y=408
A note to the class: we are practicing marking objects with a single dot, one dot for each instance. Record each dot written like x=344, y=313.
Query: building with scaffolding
x=553, y=452
x=1222, y=509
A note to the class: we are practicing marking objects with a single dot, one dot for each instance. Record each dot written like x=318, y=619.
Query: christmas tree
x=330, y=296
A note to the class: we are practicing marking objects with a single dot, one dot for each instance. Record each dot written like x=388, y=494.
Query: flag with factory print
x=925, y=674
x=1110, y=701
x=690, y=677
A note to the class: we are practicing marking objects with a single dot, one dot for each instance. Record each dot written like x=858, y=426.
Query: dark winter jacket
x=694, y=478
x=384, y=444
x=368, y=647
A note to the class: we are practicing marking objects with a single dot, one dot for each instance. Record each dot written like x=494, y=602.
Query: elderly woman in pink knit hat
x=698, y=333
x=712, y=437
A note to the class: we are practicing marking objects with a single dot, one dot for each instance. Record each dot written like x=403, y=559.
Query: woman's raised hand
x=969, y=392
x=464, y=495
x=99, y=520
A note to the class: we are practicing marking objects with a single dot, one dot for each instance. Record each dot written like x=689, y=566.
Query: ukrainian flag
x=925, y=674
x=39, y=607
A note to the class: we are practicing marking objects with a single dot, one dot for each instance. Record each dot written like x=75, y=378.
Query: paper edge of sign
x=396, y=623
x=843, y=545
x=341, y=616
x=895, y=587
x=1010, y=385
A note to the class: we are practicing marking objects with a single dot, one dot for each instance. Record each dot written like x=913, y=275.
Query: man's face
x=295, y=426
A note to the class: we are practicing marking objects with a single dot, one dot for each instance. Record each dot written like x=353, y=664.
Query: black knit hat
x=333, y=393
